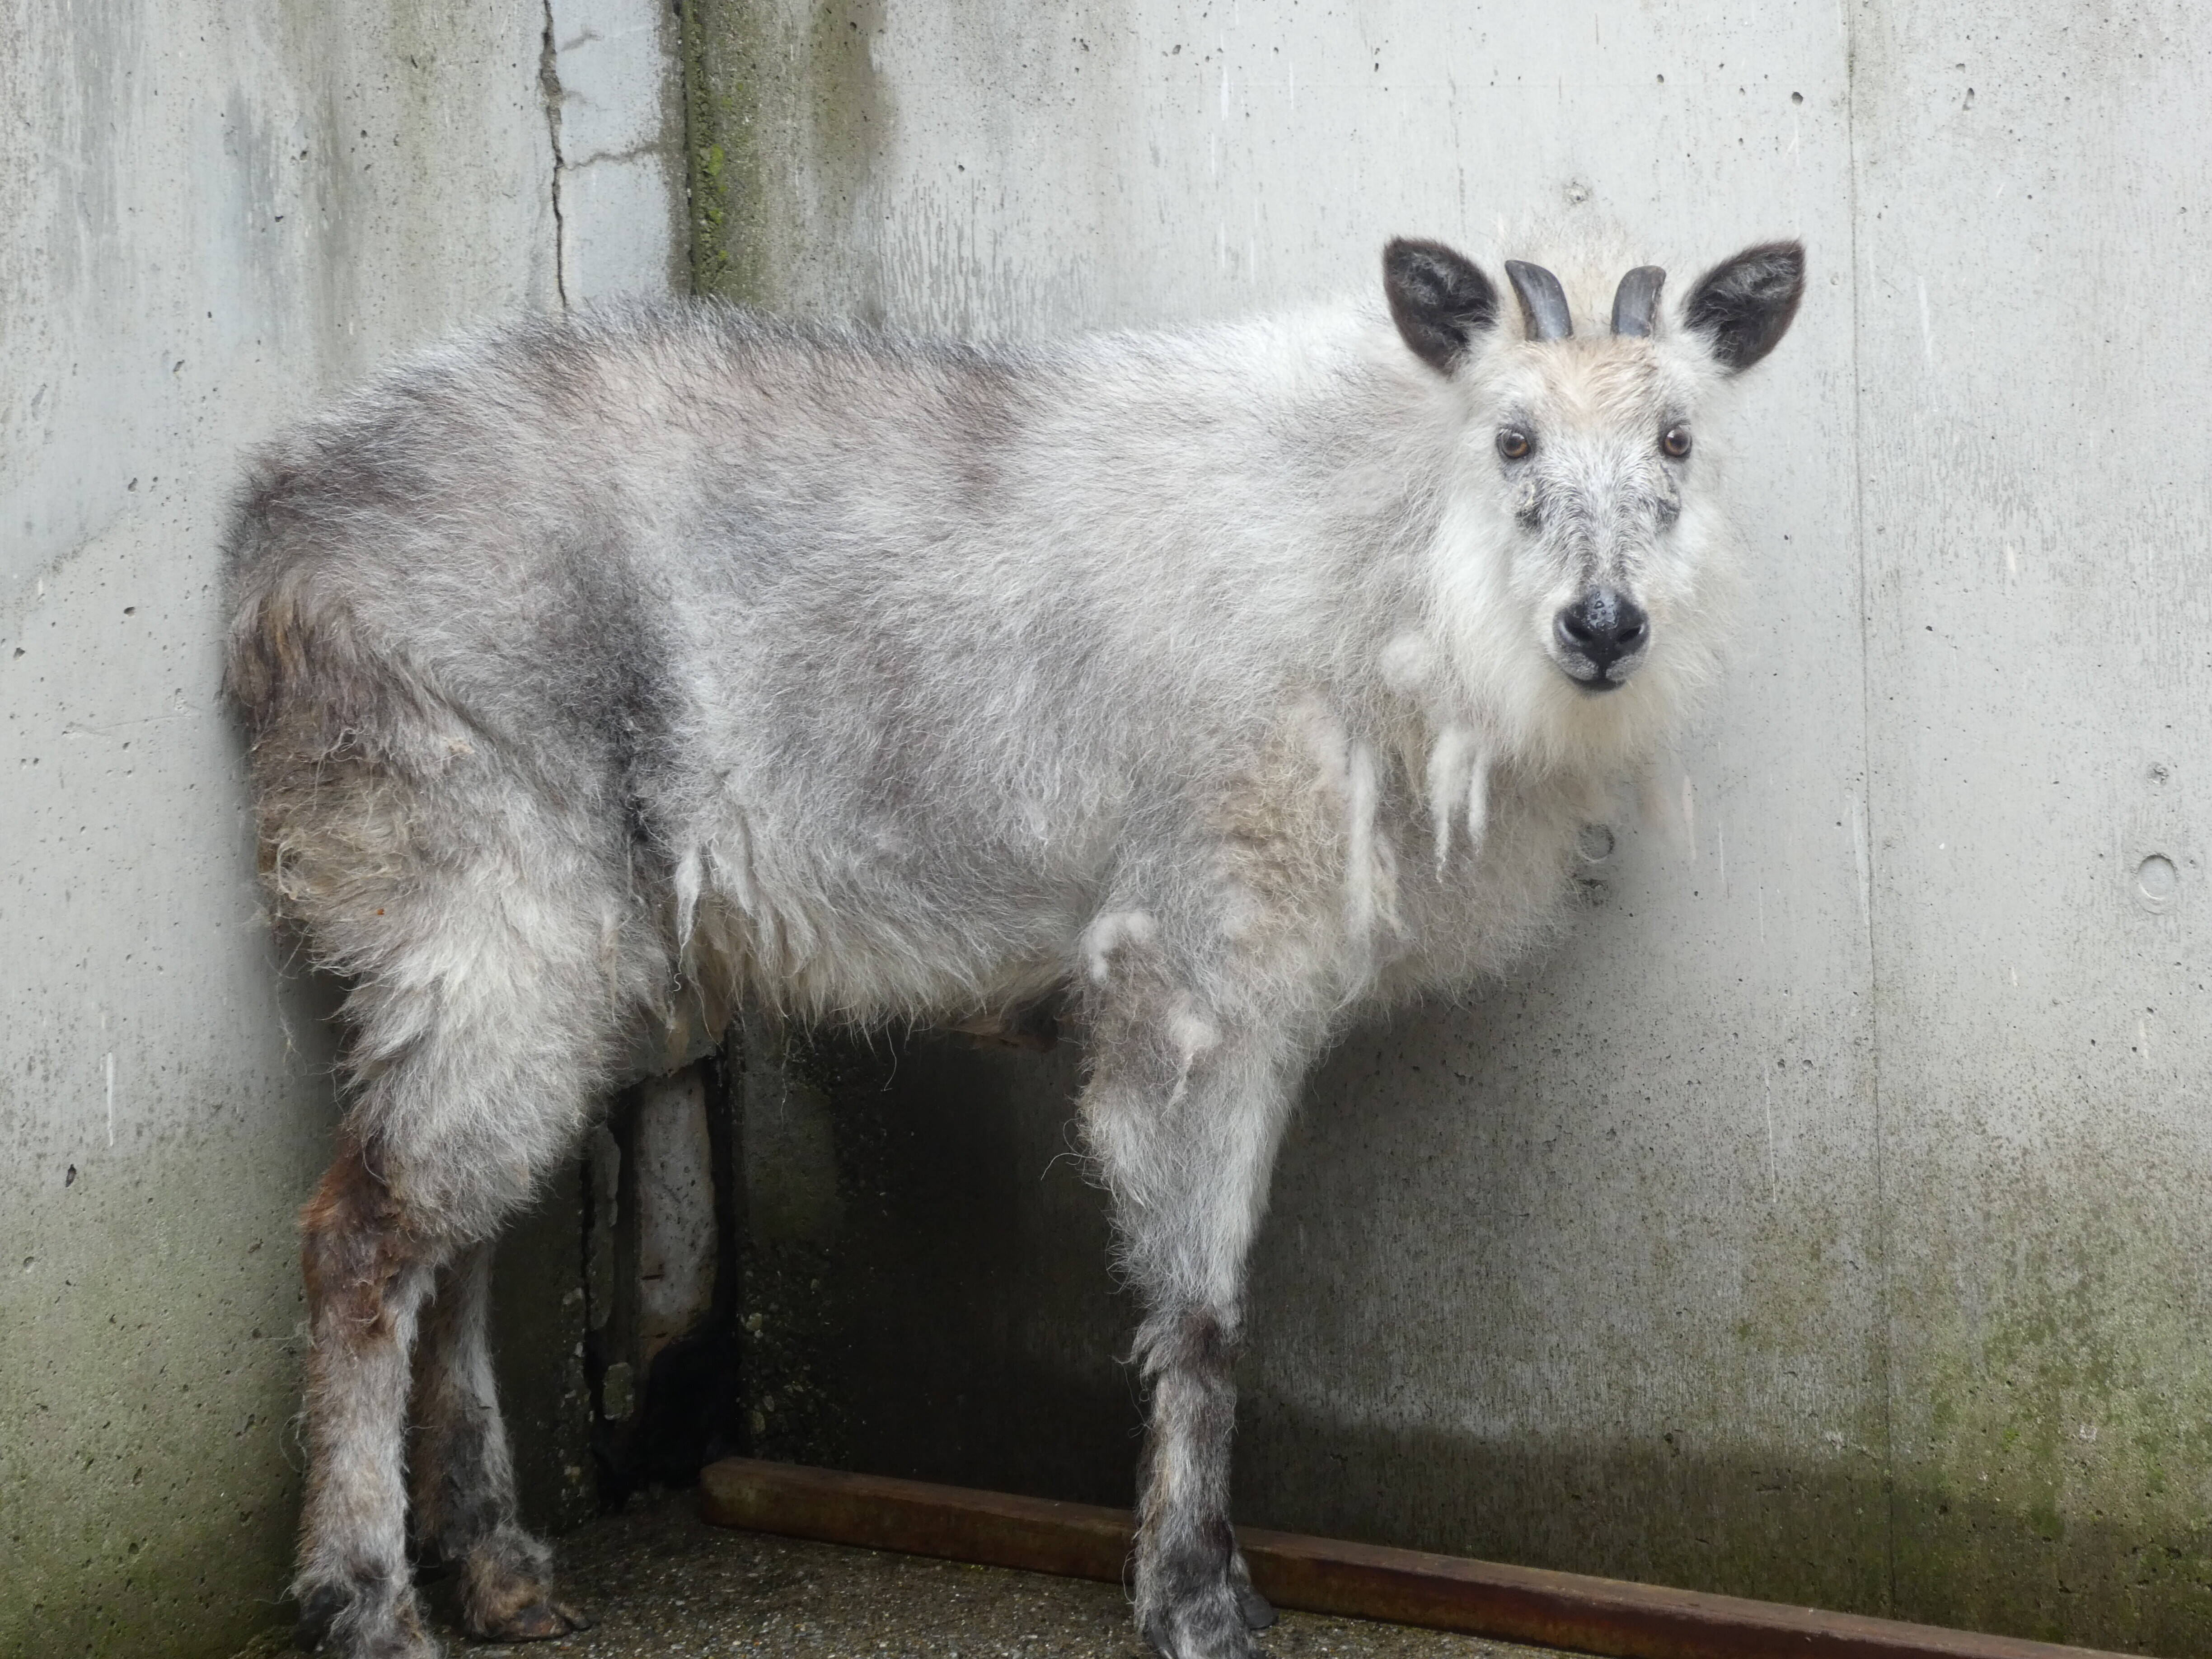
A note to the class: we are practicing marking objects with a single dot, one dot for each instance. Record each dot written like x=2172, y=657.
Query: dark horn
x=1543, y=305
x=1637, y=299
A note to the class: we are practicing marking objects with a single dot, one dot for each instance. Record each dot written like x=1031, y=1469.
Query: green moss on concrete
x=721, y=48
x=743, y=147
x=146, y=1491
x=787, y=123
x=2054, y=1416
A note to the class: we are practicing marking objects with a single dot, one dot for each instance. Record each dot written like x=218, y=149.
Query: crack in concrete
x=548, y=84
x=653, y=149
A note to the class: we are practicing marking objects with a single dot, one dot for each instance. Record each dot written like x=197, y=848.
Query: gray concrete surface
x=1825, y=1221
x=659, y=1583
x=210, y=216
x=676, y=1229
x=616, y=84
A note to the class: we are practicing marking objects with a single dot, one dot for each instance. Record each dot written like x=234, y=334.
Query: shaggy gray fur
x=1219, y=683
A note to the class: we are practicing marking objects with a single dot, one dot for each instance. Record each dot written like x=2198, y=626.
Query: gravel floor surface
x=660, y=1581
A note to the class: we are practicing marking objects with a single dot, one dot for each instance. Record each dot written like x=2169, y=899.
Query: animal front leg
x=1195, y=1595
x=465, y=1505
x=1185, y=1118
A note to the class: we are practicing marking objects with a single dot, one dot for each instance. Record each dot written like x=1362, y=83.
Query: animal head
x=1577, y=580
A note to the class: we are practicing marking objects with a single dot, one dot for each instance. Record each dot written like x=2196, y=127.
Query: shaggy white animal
x=1220, y=684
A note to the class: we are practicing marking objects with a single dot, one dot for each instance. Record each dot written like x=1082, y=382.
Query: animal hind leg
x=465, y=1505
x=411, y=1191
x=366, y=1277
x=478, y=1042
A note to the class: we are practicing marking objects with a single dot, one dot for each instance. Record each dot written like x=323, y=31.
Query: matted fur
x=1208, y=678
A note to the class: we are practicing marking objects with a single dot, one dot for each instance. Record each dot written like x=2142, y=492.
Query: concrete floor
x=661, y=1583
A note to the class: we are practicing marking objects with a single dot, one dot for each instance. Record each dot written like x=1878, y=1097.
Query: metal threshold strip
x=1321, y=1575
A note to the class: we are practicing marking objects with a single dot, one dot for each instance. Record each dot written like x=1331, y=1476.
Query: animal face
x=1582, y=549
x=1592, y=449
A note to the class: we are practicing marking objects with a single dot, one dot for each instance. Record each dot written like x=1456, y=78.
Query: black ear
x=1743, y=305
x=1440, y=301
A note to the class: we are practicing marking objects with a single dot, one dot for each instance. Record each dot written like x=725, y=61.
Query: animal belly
x=825, y=931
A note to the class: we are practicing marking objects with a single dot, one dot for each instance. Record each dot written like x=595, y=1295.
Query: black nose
x=1600, y=628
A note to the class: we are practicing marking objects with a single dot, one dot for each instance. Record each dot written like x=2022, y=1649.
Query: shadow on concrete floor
x=662, y=1583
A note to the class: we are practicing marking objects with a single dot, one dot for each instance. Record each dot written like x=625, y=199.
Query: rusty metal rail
x=1319, y=1575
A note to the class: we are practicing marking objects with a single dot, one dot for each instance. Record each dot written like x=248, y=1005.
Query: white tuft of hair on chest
x=1459, y=782
x=1371, y=868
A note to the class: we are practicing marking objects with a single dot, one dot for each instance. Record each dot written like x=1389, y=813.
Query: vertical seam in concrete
x=548, y=84
x=1885, y=1343
x=690, y=84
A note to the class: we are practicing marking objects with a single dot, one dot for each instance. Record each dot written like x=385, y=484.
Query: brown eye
x=1513, y=443
x=1676, y=442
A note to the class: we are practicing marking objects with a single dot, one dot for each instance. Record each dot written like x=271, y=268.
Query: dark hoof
x=354, y=1625
x=319, y=1610
x=1259, y=1612
x=506, y=1591
x=542, y=1620
x=1209, y=1625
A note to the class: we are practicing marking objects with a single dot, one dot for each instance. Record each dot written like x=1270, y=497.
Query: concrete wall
x=1824, y=1221
x=210, y=215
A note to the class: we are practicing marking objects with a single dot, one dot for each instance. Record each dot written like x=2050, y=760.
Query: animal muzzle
x=1599, y=640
